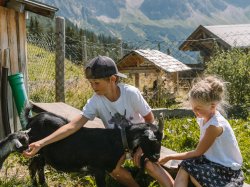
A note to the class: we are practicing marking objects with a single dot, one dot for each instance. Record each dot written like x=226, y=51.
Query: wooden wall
x=13, y=37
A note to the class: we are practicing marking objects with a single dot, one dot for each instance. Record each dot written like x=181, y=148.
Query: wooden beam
x=139, y=71
x=3, y=30
x=66, y=111
x=32, y=6
x=12, y=36
x=22, y=46
x=19, y=7
x=60, y=57
x=137, y=80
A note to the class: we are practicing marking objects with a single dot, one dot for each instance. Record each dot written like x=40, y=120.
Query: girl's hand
x=33, y=149
x=164, y=160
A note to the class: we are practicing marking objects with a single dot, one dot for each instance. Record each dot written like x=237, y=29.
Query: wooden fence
x=12, y=56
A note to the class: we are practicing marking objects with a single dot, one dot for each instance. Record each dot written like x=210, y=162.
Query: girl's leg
x=181, y=179
x=195, y=182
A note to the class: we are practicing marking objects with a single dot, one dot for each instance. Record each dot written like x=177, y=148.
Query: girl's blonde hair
x=209, y=89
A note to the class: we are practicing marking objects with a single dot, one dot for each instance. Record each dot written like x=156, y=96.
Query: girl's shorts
x=210, y=174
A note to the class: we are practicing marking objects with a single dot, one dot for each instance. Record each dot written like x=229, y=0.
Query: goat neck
x=148, y=137
x=137, y=132
x=127, y=151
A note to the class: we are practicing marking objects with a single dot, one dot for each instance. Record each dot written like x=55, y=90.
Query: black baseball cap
x=102, y=67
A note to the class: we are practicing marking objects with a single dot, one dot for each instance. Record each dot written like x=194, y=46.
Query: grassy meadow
x=180, y=135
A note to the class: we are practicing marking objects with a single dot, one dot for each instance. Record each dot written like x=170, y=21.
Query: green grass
x=180, y=135
x=41, y=75
x=15, y=173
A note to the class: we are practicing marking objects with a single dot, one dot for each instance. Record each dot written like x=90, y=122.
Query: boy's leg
x=182, y=178
x=160, y=174
x=122, y=175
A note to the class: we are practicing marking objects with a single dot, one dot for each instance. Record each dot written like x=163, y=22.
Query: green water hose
x=19, y=93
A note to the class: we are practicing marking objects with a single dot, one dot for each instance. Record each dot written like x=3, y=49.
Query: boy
x=110, y=97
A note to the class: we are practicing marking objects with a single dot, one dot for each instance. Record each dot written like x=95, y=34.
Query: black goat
x=97, y=149
x=17, y=141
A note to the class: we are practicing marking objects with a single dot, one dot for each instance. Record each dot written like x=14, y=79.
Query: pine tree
x=31, y=26
x=38, y=27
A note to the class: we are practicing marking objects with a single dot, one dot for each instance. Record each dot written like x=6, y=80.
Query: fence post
x=60, y=56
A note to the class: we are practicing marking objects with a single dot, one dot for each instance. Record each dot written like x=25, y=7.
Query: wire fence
x=41, y=64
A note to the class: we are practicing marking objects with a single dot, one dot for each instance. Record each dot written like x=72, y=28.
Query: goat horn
x=161, y=122
x=27, y=131
x=17, y=143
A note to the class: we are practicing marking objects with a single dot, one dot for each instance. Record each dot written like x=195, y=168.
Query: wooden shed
x=150, y=61
x=204, y=38
x=13, y=45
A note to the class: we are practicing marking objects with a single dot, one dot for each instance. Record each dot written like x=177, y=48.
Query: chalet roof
x=227, y=36
x=32, y=6
x=150, y=61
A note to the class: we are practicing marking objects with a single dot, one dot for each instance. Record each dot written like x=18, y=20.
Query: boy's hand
x=137, y=157
x=33, y=149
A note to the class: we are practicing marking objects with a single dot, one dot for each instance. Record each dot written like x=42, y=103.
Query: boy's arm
x=59, y=134
x=149, y=118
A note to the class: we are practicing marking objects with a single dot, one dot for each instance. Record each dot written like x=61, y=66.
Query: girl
x=217, y=160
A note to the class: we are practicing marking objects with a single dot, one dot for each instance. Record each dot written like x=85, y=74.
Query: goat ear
x=150, y=134
x=161, y=122
x=17, y=143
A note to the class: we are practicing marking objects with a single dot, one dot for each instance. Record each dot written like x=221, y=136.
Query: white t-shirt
x=225, y=149
x=130, y=101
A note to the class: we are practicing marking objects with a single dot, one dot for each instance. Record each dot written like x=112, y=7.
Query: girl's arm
x=212, y=132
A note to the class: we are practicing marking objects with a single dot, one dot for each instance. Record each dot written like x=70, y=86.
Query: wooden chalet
x=204, y=38
x=13, y=45
x=150, y=61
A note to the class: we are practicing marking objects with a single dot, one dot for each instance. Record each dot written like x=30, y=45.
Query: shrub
x=234, y=67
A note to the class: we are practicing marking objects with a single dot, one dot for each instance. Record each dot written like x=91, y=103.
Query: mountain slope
x=153, y=20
